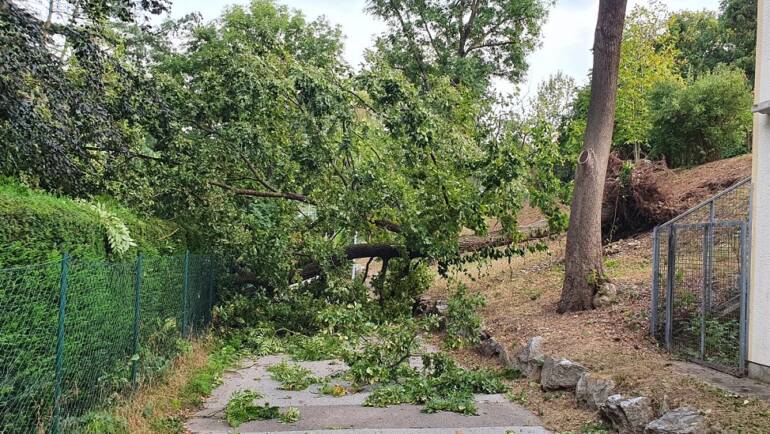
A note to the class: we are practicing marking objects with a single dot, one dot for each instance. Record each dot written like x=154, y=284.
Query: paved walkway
x=323, y=414
x=740, y=386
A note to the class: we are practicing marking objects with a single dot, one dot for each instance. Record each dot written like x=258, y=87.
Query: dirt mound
x=640, y=196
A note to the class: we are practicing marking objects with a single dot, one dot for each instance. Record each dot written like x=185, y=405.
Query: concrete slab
x=322, y=413
x=741, y=386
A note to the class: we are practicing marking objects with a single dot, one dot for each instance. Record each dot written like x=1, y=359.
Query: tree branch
x=268, y=194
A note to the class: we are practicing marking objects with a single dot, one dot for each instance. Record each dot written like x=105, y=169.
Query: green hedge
x=37, y=227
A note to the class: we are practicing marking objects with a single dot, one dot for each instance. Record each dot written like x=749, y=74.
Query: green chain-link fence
x=75, y=334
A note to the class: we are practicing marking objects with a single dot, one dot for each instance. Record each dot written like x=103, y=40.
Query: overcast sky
x=566, y=41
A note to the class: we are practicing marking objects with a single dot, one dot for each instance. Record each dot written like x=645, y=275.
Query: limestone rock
x=627, y=416
x=529, y=359
x=593, y=390
x=606, y=295
x=490, y=347
x=560, y=374
x=680, y=421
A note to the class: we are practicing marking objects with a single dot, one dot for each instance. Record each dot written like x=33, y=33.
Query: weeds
x=290, y=415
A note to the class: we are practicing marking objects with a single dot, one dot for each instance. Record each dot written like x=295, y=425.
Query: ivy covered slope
x=39, y=226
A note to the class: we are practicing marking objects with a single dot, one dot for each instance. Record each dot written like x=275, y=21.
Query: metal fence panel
x=700, y=281
x=76, y=333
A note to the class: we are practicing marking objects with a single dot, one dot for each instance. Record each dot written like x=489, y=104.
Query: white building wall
x=759, y=297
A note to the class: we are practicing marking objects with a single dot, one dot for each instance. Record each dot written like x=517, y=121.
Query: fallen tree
x=466, y=244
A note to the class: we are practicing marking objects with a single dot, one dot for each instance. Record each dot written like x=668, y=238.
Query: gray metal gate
x=700, y=281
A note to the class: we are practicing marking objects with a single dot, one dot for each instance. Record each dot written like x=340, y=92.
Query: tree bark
x=583, y=271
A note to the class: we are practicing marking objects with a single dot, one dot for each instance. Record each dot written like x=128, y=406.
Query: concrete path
x=321, y=414
x=740, y=386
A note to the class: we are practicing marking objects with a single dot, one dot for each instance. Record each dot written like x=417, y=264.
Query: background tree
x=647, y=57
x=468, y=41
x=583, y=271
x=699, y=41
x=739, y=26
x=69, y=104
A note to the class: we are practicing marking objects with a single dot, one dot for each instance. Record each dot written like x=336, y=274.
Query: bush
x=38, y=227
x=705, y=121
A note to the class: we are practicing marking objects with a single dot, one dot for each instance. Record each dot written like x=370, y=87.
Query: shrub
x=38, y=227
x=701, y=122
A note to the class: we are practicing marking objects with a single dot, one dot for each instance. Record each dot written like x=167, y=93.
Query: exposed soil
x=638, y=197
x=521, y=303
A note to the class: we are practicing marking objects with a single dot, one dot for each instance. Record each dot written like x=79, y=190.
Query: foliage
x=647, y=57
x=321, y=346
x=468, y=42
x=699, y=41
x=441, y=386
x=38, y=227
x=738, y=19
x=290, y=415
x=385, y=356
x=292, y=376
x=705, y=121
x=118, y=238
x=333, y=389
x=463, y=322
x=241, y=408
x=72, y=107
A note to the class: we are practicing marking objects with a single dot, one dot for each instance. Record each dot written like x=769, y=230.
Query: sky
x=566, y=41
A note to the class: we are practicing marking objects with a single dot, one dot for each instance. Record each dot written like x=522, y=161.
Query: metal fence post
x=670, y=281
x=655, y=282
x=210, y=293
x=137, y=317
x=60, y=342
x=185, y=287
x=744, y=276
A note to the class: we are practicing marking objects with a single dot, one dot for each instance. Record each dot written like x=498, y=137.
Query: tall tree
x=739, y=22
x=470, y=41
x=647, y=56
x=583, y=255
x=69, y=104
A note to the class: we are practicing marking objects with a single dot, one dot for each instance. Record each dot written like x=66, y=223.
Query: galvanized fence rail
x=76, y=333
x=700, y=281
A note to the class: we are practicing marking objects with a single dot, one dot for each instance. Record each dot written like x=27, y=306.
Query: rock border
x=627, y=415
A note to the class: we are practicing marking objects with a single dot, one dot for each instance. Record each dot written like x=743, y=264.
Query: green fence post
x=60, y=342
x=137, y=317
x=210, y=292
x=185, y=287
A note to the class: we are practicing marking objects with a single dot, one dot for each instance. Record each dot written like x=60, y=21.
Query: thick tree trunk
x=583, y=255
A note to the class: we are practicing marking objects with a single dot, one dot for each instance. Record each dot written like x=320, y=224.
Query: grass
x=612, y=341
x=162, y=407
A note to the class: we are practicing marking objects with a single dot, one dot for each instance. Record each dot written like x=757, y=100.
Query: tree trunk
x=583, y=270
